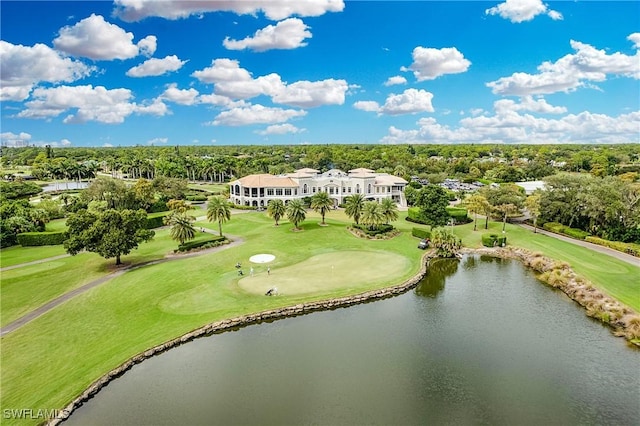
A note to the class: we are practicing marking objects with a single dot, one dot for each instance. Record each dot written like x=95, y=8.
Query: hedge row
x=629, y=248
x=458, y=214
x=196, y=198
x=156, y=220
x=423, y=234
x=565, y=230
x=30, y=239
x=494, y=240
x=380, y=229
x=204, y=243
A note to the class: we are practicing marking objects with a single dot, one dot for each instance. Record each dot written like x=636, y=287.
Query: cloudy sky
x=149, y=72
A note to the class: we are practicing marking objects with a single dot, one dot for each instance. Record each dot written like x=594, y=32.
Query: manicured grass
x=16, y=255
x=26, y=288
x=615, y=277
x=57, y=225
x=98, y=330
x=214, y=188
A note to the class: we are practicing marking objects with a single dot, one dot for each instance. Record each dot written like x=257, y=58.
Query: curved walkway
x=12, y=326
x=635, y=261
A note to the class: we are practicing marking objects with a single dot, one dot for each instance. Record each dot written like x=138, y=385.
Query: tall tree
x=296, y=213
x=389, y=210
x=532, y=204
x=321, y=203
x=477, y=204
x=433, y=202
x=111, y=233
x=182, y=228
x=219, y=211
x=354, y=207
x=276, y=210
x=506, y=200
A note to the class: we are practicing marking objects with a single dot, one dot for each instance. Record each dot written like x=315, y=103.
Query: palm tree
x=218, y=210
x=354, y=206
x=296, y=213
x=276, y=210
x=321, y=203
x=389, y=210
x=372, y=215
x=181, y=228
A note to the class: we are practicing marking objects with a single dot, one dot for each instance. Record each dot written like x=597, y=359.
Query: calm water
x=480, y=341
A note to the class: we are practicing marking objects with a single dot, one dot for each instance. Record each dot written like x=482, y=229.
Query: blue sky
x=147, y=72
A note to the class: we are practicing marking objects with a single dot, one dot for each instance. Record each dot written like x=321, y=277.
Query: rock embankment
x=622, y=319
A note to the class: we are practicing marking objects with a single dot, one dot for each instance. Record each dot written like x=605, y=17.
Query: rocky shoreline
x=624, y=321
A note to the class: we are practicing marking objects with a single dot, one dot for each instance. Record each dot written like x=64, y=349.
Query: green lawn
x=16, y=255
x=49, y=361
x=214, y=188
x=57, y=225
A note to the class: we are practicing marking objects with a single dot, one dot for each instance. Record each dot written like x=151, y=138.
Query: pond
x=479, y=341
x=59, y=186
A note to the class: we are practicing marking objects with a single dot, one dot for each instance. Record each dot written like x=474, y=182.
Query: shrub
x=241, y=207
x=502, y=241
x=413, y=215
x=158, y=206
x=380, y=229
x=196, y=198
x=491, y=240
x=156, y=220
x=30, y=239
x=629, y=248
x=211, y=241
x=423, y=234
x=559, y=228
x=458, y=214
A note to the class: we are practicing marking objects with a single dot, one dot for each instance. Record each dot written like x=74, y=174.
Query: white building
x=258, y=190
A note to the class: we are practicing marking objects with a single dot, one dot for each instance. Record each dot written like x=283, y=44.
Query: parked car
x=423, y=244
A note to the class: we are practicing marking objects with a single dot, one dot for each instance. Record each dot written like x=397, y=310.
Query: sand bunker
x=262, y=258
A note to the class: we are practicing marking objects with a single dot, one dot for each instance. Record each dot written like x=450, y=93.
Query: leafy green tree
x=354, y=206
x=111, y=233
x=321, y=203
x=532, y=204
x=476, y=204
x=506, y=200
x=182, y=228
x=218, y=210
x=276, y=210
x=296, y=213
x=446, y=243
x=433, y=202
x=372, y=215
x=114, y=191
x=389, y=210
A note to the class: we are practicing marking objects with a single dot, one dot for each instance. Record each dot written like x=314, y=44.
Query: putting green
x=317, y=274
x=329, y=271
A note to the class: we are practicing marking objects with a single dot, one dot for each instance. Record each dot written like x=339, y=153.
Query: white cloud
x=65, y=142
x=156, y=141
x=255, y=114
x=429, y=63
x=232, y=81
x=369, y=106
x=569, y=72
x=527, y=103
x=95, y=38
x=635, y=38
x=288, y=34
x=522, y=10
x=148, y=45
x=87, y=103
x=107, y=145
x=513, y=127
x=180, y=96
x=309, y=94
x=397, y=79
x=23, y=67
x=280, y=129
x=276, y=10
x=155, y=67
x=15, y=140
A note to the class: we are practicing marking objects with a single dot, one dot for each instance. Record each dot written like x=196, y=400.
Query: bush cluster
x=423, y=234
x=459, y=214
x=196, y=197
x=156, y=220
x=30, y=239
x=204, y=243
x=494, y=240
x=629, y=248
x=559, y=228
x=380, y=229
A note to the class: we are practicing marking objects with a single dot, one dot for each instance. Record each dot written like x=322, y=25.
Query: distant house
x=258, y=190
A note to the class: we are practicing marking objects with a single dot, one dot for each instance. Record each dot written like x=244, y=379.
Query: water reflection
x=437, y=272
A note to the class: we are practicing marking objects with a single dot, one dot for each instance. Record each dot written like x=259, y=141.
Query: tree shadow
x=437, y=272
